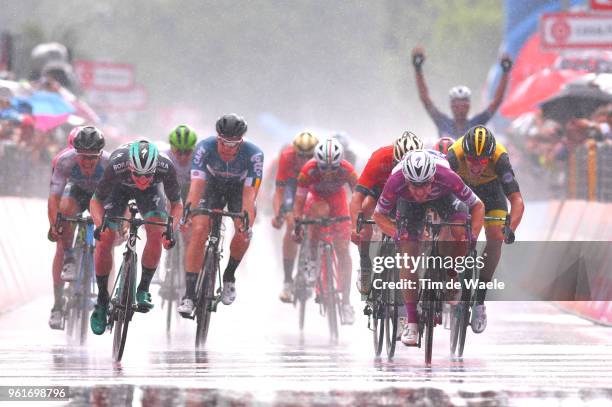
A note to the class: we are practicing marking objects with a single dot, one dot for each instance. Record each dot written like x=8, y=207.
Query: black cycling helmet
x=89, y=138
x=478, y=142
x=231, y=125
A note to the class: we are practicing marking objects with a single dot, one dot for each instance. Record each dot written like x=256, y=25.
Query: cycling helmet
x=418, y=167
x=328, y=153
x=305, y=142
x=231, y=125
x=460, y=92
x=406, y=142
x=183, y=138
x=72, y=135
x=88, y=138
x=143, y=157
x=443, y=144
x=478, y=142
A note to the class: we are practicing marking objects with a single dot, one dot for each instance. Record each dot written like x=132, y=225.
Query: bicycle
x=431, y=295
x=173, y=283
x=461, y=313
x=207, y=299
x=323, y=277
x=382, y=304
x=80, y=293
x=123, y=303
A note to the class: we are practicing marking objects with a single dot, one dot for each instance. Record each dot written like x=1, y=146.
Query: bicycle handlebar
x=136, y=223
x=244, y=216
x=79, y=218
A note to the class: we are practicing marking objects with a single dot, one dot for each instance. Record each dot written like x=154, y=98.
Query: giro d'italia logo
x=560, y=30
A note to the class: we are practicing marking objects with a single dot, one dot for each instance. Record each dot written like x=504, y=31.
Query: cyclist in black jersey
x=135, y=171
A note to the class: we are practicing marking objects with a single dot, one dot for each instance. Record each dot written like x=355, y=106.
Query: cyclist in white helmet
x=422, y=181
x=320, y=194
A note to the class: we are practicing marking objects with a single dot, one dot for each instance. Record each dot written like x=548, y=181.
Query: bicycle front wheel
x=124, y=312
x=391, y=315
x=203, y=312
x=331, y=303
x=379, y=320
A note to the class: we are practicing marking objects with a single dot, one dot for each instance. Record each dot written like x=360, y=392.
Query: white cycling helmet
x=328, y=153
x=460, y=92
x=418, y=167
x=406, y=142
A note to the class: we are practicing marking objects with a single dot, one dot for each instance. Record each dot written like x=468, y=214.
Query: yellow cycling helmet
x=305, y=143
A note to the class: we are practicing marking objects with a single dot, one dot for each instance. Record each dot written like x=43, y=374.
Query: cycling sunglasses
x=184, y=152
x=476, y=160
x=421, y=184
x=146, y=176
x=328, y=167
x=229, y=143
x=89, y=156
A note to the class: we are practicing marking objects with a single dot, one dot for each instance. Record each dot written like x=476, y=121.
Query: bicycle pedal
x=142, y=308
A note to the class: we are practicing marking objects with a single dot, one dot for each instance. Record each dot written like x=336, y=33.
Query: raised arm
x=506, y=65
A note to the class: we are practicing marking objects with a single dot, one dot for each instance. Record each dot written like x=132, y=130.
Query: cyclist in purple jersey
x=74, y=178
x=422, y=181
x=456, y=126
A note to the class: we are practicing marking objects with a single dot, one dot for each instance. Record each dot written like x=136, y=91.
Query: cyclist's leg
x=73, y=200
x=238, y=246
x=341, y=233
x=152, y=205
x=410, y=233
x=290, y=247
x=103, y=258
x=195, y=248
x=365, y=263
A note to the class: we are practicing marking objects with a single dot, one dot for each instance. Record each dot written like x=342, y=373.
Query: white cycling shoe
x=186, y=308
x=228, y=293
x=68, y=270
x=286, y=294
x=479, y=319
x=348, y=314
x=55, y=320
x=410, y=334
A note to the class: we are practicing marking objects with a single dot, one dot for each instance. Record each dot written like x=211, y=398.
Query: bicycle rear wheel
x=379, y=319
x=124, y=311
x=206, y=297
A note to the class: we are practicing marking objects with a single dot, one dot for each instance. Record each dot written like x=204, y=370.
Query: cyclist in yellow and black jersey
x=484, y=165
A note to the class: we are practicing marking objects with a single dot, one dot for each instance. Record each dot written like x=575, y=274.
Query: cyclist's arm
x=57, y=185
x=385, y=224
x=477, y=213
x=277, y=201
x=499, y=94
x=356, y=205
x=510, y=185
x=517, y=208
x=424, y=94
x=249, y=195
x=196, y=189
x=53, y=207
x=96, y=208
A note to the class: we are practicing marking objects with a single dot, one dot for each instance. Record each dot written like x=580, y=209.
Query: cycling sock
x=288, y=267
x=228, y=274
x=190, y=284
x=411, y=313
x=145, y=278
x=102, y=289
x=481, y=293
x=58, y=295
x=68, y=254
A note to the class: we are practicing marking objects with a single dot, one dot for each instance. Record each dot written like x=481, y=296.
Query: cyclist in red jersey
x=443, y=144
x=290, y=162
x=320, y=193
x=368, y=189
